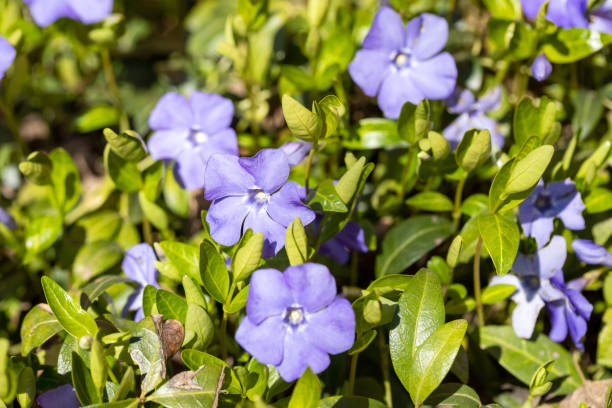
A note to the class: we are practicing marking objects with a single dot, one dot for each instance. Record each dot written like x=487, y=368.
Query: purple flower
x=541, y=68
x=539, y=282
x=591, y=253
x=472, y=115
x=138, y=266
x=296, y=151
x=350, y=238
x=564, y=13
x=253, y=192
x=295, y=319
x=46, y=12
x=190, y=131
x=547, y=202
x=601, y=18
x=403, y=63
x=7, y=55
x=7, y=219
x=62, y=396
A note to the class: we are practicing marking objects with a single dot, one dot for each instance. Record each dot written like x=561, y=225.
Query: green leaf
x=434, y=358
x=37, y=168
x=440, y=148
x=307, y=391
x=296, y=242
x=326, y=198
x=303, y=123
x=495, y=293
x=171, y=306
x=430, y=201
x=453, y=394
x=248, y=255
x=184, y=257
x=527, y=172
x=125, y=174
x=73, y=319
x=238, y=302
x=474, y=149
x=82, y=382
x=534, y=118
x=213, y=271
x=149, y=299
x=98, y=286
x=146, y=351
x=539, y=377
x=362, y=342
x=193, y=293
x=179, y=392
x=98, y=367
x=420, y=313
x=573, y=44
x=199, y=328
x=101, y=225
x=97, y=117
x=128, y=145
x=351, y=402
x=409, y=240
x=176, y=198
x=373, y=133
x=38, y=326
x=128, y=403
x=65, y=180
x=42, y=232
x=507, y=9
x=588, y=108
x=413, y=122
x=152, y=180
x=153, y=212
x=599, y=200
x=348, y=185
x=195, y=359
x=454, y=251
x=333, y=109
x=522, y=357
x=501, y=237
x=94, y=258
x=126, y=385
x=26, y=387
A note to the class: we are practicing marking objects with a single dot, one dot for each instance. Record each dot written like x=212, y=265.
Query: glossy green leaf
x=430, y=201
x=26, y=387
x=453, y=394
x=126, y=385
x=195, y=359
x=373, y=133
x=248, y=255
x=37, y=168
x=69, y=314
x=598, y=200
x=65, y=180
x=154, y=213
x=98, y=367
x=97, y=117
x=303, y=123
x=99, y=285
x=213, y=271
x=588, y=108
x=149, y=300
x=151, y=177
x=199, y=327
x=171, y=306
x=533, y=118
x=239, y=301
x=42, y=232
x=193, y=292
x=95, y=258
x=184, y=257
x=307, y=391
x=500, y=235
x=508, y=9
x=573, y=44
x=296, y=243
x=454, y=251
x=474, y=149
x=38, y=326
x=413, y=122
x=409, y=240
x=527, y=172
x=145, y=349
x=82, y=382
x=176, y=198
x=125, y=174
x=128, y=145
x=495, y=293
x=326, y=198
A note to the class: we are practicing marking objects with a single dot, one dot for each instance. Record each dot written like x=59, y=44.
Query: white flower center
x=200, y=137
x=401, y=59
x=294, y=315
x=261, y=195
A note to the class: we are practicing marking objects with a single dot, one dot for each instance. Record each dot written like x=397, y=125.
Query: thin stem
x=309, y=165
x=352, y=374
x=147, y=231
x=384, y=358
x=405, y=173
x=13, y=126
x=576, y=360
x=458, y=197
x=222, y=334
x=107, y=65
x=479, y=309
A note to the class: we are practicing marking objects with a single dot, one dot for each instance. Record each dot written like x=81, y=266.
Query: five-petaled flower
x=138, y=266
x=541, y=68
x=539, y=282
x=591, y=253
x=7, y=55
x=46, y=12
x=190, y=131
x=253, y=192
x=557, y=199
x=472, y=115
x=403, y=63
x=295, y=319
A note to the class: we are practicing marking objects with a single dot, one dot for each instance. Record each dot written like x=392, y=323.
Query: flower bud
x=85, y=342
x=541, y=68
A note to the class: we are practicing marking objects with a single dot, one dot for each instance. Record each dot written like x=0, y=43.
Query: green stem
x=147, y=231
x=479, y=309
x=107, y=65
x=13, y=126
x=405, y=173
x=352, y=374
x=309, y=165
x=222, y=334
x=384, y=358
x=458, y=196
x=354, y=268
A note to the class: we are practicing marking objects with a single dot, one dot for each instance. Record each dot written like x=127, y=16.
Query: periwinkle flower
x=7, y=219
x=403, y=63
x=472, y=115
x=63, y=396
x=547, y=202
x=591, y=253
x=564, y=13
x=138, y=266
x=253, y=192
x=350, y=238
x=7, y=55
x=541, y=68
x=295, y=319
x=539, y=282
x=190, y=131
x=46, y=12
x=296, y=151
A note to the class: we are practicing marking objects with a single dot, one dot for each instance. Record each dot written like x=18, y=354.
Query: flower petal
x=269, y=168
x=368, y=69
x=46, y=12
x=212, y=112
x=168, y=144
x=62, y=396
x=572, y=214
x=189, y=170
x=264, y=341
x=568, y=14
x=296, y=151
x=490, y=100
x=387, y=31
x=300, y=354
x=531, y=7
x=580, y=303
x=432, y=36
x=397, y=88
x=7, y=55
x=577, y=327
x=223, y=142
x=171, y=112
x=138, y=264
x=269, y=295
x=541, y=228
x=274, y=233
x=311, y=285
x=435, y=77
x=541, y=68
x=558, y=322
x=525, y=315
x=552, y=257
x=332, y=329
x=225, y=217
x=591, y=253
x=460, y=101
x=91, y=11
x=226, y=177
x=285, y=205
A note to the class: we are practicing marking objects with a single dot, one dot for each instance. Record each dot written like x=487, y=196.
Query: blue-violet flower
x=138, y=266
x=296, y=151
x=541, y=68
x=295, y=319
x=350, y=238
x=7, y=219
x=46, y=12
x=190, y=131
x=591, y=253
x=63, y=396
x=404, y=63
x=601, y=18
x=7, y=55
